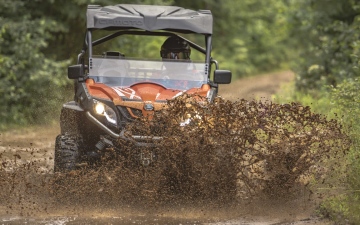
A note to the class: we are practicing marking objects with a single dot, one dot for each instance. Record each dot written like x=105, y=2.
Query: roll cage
x=88, y=39
x=150, y=20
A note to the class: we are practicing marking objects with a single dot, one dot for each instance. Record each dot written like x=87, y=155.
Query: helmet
x=175, y=48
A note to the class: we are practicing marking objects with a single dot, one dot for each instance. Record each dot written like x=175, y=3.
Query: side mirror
x=76, y=71
x=222, y=76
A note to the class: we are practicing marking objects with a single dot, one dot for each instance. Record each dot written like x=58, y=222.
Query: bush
x=31, y=83
x=327, y=31
x=343, y=104
x=346, y=97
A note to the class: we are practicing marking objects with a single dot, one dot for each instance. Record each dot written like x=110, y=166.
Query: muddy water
x=235, y=159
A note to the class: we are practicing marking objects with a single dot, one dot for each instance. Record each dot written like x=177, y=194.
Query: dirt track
x=262, y=86
x=40, y=141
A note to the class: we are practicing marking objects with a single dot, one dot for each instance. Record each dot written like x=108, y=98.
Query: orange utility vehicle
x=116, y=84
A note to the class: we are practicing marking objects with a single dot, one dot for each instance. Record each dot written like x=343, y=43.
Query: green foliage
x=250, y=36
x=346, y=97
x=327, y=32
x=27, y=75
x=335, y=209
x=341, y=103
x=319, y=101
x=330, y=56
x=38, y=40
x=345, y=205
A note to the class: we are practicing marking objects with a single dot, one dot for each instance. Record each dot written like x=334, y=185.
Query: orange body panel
x=140, y=94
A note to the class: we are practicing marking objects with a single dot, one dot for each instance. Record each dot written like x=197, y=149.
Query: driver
x=175, y=52
x=175, y=48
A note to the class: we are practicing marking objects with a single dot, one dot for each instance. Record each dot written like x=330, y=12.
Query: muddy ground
x=38, y=143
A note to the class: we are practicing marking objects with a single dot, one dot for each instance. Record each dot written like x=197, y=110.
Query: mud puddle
x=150, y=220
x=234, y=159
x=253, y=214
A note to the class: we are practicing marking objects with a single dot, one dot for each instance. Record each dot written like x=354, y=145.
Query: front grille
x=156, y=128
x=136, y=112
x=125, y=116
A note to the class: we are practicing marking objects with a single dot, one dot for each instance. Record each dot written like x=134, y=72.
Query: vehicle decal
x=118, y=92
x=132, y=93
x=178, y=94
x=127, y=91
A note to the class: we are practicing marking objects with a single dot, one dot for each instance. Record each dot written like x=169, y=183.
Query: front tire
x=67, y=152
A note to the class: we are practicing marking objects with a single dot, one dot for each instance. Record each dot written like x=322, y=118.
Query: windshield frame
x=170, y=74
x=88, y=39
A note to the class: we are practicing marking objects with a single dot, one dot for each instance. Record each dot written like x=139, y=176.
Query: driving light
x=99, y=108
x=105, y=110
x=110, y=115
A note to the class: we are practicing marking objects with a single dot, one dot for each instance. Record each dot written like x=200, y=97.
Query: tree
x=250, y=36
x=37, y=42
x=327, y=31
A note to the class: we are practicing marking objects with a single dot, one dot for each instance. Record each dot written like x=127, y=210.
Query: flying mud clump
x=242, y=149
x=217, y=152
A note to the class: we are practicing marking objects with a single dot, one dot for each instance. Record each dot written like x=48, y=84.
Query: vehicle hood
x=138, y=94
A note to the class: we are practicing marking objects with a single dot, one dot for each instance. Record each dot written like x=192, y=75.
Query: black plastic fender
x=71, y=118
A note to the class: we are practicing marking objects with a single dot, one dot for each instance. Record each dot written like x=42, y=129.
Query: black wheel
x=67, y=152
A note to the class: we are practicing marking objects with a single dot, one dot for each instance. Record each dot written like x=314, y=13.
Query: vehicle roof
x=149, y=18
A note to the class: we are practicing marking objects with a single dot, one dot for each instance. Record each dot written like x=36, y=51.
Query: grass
x=342, y=202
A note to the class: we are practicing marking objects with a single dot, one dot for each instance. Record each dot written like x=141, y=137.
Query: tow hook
x=147, y=158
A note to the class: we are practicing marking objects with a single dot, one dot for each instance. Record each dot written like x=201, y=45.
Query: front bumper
x=138, y=140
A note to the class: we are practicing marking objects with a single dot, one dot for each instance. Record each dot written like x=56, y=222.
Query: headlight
x=99, y=108
x=105, y=110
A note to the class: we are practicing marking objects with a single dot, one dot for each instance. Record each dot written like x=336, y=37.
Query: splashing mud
x=223, y=153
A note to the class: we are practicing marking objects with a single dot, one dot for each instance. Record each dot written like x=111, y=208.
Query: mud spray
x=228, y=153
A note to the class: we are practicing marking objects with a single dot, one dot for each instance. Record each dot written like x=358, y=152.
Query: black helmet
x=175, y=48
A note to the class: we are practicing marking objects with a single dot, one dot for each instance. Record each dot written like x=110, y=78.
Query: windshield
x=127, y=72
